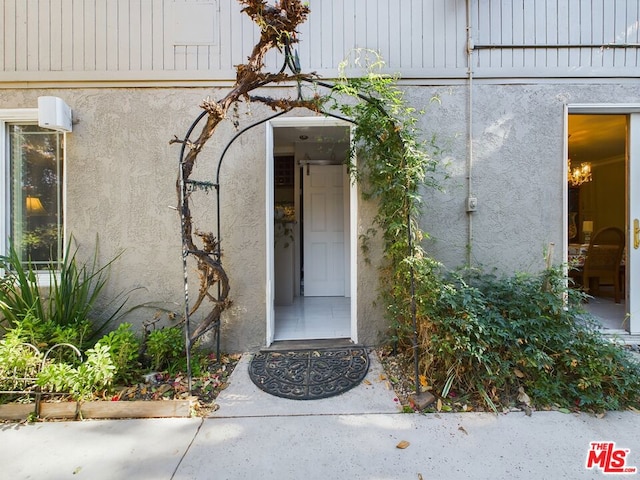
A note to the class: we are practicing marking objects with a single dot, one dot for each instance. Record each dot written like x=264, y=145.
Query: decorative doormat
x=309, y=374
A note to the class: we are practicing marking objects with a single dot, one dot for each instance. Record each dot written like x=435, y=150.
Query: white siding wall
x=78, y=40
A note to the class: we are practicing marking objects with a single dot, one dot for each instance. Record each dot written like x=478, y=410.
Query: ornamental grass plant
x=67, y=303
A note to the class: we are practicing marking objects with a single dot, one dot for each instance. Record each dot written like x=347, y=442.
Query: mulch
x=164, y=386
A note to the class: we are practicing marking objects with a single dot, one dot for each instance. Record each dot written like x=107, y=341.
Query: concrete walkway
x=352, y=436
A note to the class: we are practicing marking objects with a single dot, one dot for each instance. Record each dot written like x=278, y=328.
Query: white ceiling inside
x=287, y=136
x=596, y=138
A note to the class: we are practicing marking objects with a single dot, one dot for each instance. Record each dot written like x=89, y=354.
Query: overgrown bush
x=493, y=340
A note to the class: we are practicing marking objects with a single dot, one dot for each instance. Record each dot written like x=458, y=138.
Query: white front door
x=323, y=227
x=633, y=240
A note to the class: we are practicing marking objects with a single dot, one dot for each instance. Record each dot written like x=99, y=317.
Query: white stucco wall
x=121, y=174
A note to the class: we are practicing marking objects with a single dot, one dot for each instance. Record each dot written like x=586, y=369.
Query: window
x=31, y=202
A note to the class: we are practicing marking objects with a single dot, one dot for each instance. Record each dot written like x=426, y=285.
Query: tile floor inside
x=611, y=315
x=313, y=318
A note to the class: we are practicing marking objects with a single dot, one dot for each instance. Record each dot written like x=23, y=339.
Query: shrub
x=45, y=334
x=124, y=348
x=19, y=362
x=92, y=375
x=165, y=349
x=489, y=338
x=69, y=301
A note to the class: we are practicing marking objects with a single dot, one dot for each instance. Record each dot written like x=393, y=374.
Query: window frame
x=25, y=116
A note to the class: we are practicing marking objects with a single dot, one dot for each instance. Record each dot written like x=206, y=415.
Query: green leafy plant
x=393, y=165
x=495, y=339
x=45, y=333
x=165, y=348
x=81, y=381
x=19, y=290
x=76, y=290
x=124, y=348
x=19, y=362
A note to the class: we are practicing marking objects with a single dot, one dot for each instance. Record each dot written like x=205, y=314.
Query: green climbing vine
x=482, y=341
x=393, y=165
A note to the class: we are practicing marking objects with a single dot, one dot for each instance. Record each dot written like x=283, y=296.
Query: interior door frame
x=633, y=198
x=269, y=218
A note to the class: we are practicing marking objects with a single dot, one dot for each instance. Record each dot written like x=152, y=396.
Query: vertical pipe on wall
x=469, y=133
x=565, y=191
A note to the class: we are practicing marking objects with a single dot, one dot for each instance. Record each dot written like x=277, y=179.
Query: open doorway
x=598, y=193
x=312, y=265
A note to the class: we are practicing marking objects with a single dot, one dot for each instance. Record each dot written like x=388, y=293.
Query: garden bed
x=160, y=395
x=71, y=410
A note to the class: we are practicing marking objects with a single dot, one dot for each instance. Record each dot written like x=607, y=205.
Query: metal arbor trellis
x=210, y=255
x=277, y=26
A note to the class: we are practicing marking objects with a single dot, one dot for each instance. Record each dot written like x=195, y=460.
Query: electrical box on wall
x=54, y=113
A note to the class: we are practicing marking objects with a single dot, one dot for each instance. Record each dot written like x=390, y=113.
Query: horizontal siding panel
x=556, y=35
x=168, y=39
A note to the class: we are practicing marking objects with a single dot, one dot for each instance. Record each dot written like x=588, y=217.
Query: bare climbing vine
x=278, y=24
x=467, y=344
x=394, y=165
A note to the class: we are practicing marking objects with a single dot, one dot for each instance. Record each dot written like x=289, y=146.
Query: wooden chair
x=603, y=260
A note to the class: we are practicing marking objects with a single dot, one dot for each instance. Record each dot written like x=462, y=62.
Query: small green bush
x=92, y=375
x=485, y=338
x=165, y=350
x=18, y=361
x=124, y=348
x=45, y=334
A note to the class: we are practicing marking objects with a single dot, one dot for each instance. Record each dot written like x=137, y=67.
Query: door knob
x=636, y=233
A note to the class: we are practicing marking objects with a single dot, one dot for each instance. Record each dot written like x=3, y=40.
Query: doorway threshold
x=281, y=345
x=620, y=336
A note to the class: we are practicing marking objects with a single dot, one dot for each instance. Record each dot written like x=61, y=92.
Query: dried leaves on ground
x=400, y=371
x=163, y=386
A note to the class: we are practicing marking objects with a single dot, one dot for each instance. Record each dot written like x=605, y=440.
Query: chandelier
x=579, y=175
